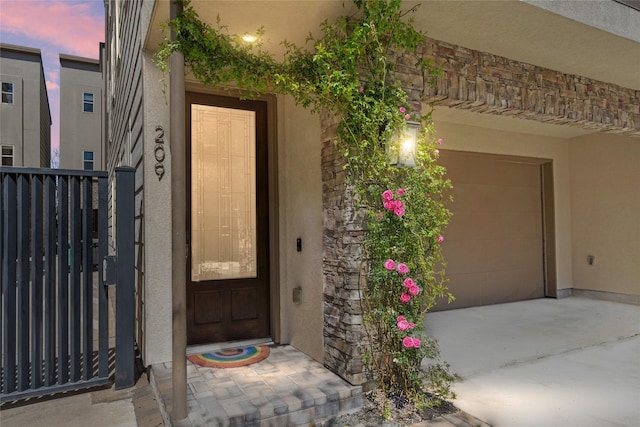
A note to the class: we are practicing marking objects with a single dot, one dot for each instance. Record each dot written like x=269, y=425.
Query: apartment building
x=25, y=116
x=81, y=113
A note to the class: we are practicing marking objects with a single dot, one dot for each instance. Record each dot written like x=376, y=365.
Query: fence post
x=125, y=276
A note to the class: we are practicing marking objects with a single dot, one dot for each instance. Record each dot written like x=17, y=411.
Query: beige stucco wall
x=80, y=131
x=300, y=215
x=464, y=137
x=300, y=194
x=157, y=293
x=157, y=290
x=21, y=121
x=605, y=202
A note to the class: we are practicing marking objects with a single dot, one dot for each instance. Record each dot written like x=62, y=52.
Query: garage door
x=494, y=243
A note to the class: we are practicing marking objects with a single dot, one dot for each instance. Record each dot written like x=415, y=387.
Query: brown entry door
x=228, y=222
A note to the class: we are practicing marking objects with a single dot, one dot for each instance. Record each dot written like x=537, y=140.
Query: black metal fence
x=53, y=226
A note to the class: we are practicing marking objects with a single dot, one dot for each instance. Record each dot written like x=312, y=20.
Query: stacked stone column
x=344, y=338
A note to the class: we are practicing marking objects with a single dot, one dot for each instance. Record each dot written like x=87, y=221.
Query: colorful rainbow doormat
x=231, y=358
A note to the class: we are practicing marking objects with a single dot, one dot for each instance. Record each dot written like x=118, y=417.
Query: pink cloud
x=52, y=75
x=73, y=27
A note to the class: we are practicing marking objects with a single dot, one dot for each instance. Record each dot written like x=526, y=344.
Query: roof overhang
x=509, y=28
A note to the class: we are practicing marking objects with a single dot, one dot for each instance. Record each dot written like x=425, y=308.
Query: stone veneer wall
x=342, y=254
x=486, y=83
x=473, y=80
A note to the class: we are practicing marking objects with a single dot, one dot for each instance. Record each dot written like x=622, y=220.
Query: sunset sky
x=74, y=27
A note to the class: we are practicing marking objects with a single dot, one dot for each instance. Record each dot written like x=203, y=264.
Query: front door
x=227, y=222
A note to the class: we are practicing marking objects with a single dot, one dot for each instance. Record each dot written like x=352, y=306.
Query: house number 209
x=158, y=152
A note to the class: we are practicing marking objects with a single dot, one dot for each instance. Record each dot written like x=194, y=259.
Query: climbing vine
x=351, y=72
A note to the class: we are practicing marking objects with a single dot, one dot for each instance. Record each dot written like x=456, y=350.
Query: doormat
x=231, y=358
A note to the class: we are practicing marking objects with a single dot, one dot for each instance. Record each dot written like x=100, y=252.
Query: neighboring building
x=25, y=117
x=539, y=107
x=81, y=113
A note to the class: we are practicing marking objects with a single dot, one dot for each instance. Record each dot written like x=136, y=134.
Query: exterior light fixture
x=249, y=38
x=403, y=146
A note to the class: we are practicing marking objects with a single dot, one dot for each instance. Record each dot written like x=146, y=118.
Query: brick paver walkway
x=287, y=389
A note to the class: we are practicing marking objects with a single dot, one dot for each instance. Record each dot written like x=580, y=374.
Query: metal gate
x=55, y=269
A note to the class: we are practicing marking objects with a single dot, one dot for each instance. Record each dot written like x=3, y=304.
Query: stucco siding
x=605, y=205
x=157, y=293
x=606, y=15
x=11, y=118
x=461, y=137
x=300, y=186
x=80, y=131
x=26, y=123
x=596, y=195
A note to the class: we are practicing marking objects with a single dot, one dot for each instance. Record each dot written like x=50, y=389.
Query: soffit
x=507, y=123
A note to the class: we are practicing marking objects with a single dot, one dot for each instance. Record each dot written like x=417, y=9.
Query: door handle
x=187, y=245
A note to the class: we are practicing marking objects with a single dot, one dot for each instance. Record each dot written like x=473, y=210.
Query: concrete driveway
x=545, y=362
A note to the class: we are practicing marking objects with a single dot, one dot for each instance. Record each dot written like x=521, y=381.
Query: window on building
x=7, y=155
x=7, y=93
x=87, y=102
x=88, y=160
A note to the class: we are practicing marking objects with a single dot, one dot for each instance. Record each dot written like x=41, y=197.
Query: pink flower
x=440, y=238
x=436, y=152
x=403, y=110
x=387, y=195
x=407, y=116
x=360, y=89
x=402, y=268
x=428, y=195
x=389, y=205
x=405, y=298
x=416, y=342
x=412, y=325
x=414, y=290
x=439, y=140
x=398, y=207
x=390, y=265
x=400, y=191
x=408, y=282
x=403, y=325
x=407, y=342
x=401, y=317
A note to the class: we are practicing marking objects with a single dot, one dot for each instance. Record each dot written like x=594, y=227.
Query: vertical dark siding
x=126, y=144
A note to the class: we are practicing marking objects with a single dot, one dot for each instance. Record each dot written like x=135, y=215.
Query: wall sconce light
x=403, y=146
x=249, y=38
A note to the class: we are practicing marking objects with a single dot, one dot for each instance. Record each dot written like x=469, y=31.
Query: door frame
x=548, y=230
x=274, y=219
